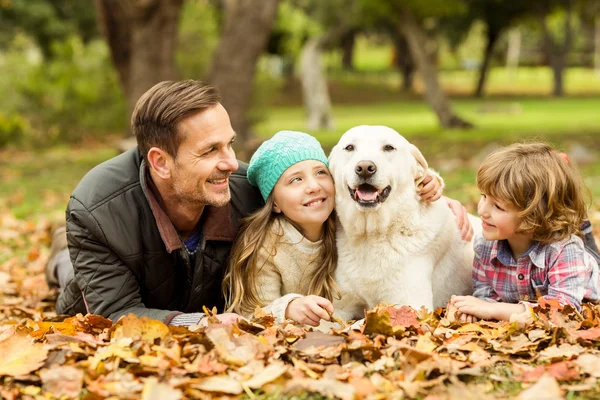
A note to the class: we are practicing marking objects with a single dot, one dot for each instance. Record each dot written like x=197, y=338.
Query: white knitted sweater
x=285, y=270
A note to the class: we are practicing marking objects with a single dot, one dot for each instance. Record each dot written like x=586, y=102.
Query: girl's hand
x=430, y=189
x=309, y=310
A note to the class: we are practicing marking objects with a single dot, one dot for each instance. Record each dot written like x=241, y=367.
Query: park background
x=457, y=78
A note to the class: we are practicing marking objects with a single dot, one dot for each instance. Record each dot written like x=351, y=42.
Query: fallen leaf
x=62, y=380
x=589, y=364
x=318, y=339
x=20, y=356
x=325, y=387
x=266, y=375
x=147, y=329
x=545, y=389
x=403, y=316
x=220, y=384
x=155, y=390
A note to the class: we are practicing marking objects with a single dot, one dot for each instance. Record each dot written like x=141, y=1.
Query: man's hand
x=462, y=219
x=309, y=310
x=225, y=318
x=430, y=189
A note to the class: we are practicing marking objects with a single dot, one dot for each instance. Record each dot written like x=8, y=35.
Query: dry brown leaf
x=268, y=374
x=325, y=387
x=219, y=384
x=147, y=329
x=545, y=389
x=589, y=364
x=155, y=390
x=20, y=356
x=62, y=380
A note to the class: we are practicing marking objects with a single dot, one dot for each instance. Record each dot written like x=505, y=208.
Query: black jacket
x=126, y=254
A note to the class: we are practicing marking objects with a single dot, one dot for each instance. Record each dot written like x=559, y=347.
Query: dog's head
x=371, y=163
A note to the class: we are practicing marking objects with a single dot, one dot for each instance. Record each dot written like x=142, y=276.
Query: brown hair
x=159, y=110
x=546, y=189
x=240, y=283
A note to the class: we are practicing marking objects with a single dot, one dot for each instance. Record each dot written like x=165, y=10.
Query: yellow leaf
x=145, y=328
x=20, y=356
x=425, y=343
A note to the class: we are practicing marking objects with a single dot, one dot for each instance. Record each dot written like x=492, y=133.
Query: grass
x=34, y=183
x=38, y=182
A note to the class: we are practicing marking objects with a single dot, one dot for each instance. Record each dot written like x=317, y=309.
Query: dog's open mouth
x=368, y=195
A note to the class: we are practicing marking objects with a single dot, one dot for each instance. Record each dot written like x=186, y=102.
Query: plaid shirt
x=561, y=270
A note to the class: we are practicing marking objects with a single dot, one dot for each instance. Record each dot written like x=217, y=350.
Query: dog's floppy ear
x=422, y=166
x=331, y=159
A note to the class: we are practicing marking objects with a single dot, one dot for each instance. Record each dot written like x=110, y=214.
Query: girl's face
x=305, y=194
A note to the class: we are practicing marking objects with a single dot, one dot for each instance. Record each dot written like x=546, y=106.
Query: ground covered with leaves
x=398, y=353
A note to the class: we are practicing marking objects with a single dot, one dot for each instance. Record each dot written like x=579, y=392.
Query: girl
x=531, y=209
x=285, y=254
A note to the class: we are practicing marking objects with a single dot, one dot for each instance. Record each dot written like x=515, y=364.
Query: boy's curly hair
x=546, y=189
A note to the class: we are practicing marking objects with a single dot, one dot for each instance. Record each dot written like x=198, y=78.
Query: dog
x=392, y=246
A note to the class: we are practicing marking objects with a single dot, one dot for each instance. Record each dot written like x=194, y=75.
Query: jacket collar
x=216, y=223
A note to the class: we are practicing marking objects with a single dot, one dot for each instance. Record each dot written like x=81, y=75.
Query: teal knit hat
x=277, y=154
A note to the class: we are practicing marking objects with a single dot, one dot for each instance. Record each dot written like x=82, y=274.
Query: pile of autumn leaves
x=399, y=353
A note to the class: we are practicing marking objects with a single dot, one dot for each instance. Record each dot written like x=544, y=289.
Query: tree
x=141, y=36
x=435, y=96
x=337, y=20
x=407, y=16
x=403, y=60
x=244, y=35
x=47, y=21
x=555, y=49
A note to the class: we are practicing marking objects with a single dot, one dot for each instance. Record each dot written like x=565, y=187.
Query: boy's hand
x=430, y=189
x=473, y=307
x=309, y=310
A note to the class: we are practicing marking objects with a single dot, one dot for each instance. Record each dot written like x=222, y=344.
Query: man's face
x=205, y=159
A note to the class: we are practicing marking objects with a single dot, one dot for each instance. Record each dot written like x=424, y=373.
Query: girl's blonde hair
x=240, y=283
x=546, y=189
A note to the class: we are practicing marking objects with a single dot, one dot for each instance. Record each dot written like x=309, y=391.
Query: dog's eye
x=388, y=147
x=350, y=147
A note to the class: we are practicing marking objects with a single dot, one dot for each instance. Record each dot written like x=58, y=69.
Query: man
x=149, y=231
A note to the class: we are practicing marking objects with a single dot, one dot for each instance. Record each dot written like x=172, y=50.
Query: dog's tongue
x=366, y=195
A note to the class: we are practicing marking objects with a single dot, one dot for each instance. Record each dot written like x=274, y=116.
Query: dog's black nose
x=365, y=169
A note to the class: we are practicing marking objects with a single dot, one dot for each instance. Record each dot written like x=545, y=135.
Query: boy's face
x=499, y=219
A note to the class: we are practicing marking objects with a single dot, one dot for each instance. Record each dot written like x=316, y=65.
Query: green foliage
x=291, y=28
x=197, y=38
x=46, y=21
x=62, y=98
x=13, y=129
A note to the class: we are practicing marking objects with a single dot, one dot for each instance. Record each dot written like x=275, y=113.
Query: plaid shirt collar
x=501, y=253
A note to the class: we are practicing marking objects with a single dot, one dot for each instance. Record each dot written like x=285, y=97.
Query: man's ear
x=422, y=166
x=160, y=161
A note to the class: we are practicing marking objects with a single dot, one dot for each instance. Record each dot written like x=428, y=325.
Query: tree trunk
x=347, y=44
x=435, y=96
x=141, y=36
x=513, y=53
x=404, y=61
x=555, y=52
x=246, y=29
x=597, y=46
x=314, y=86
x=493, y=33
